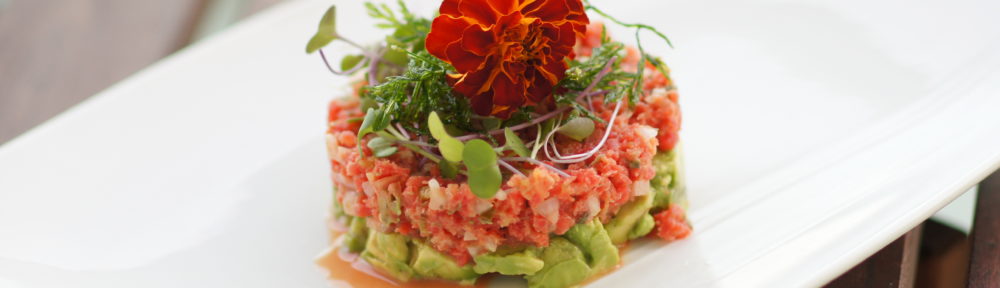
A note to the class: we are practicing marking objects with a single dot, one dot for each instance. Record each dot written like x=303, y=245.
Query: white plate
x=816, y=133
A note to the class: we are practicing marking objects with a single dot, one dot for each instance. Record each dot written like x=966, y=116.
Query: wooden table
x=56, y=53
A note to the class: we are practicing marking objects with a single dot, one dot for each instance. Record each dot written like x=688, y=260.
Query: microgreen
x=448, y=170
x=484, y=172
x=577, y=128
x=418, y=91
x=368, y=125
x=543, y=131
x=381, y=147
x=408, y=29
x=351, y=61
x=637, y=83
x=514, y=143
x=450, y=147
x=326, y=33
x=479, y=155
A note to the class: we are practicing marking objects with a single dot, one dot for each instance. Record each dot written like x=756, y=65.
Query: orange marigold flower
x=508, y=53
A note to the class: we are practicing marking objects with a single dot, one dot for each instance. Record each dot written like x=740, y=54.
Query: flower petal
x=444, y=31
x=575, y=6
x=531, y=5
x=450, y=8
x=549, y=10
x=564, y=41
x=478, y=41
x=580, y=24
x=479, y=11
x=504, y=7
x=506, y=92
x=464, y=61
x=471, y=83
x=482, y=104
x=553, y=71
x=514, y=69
x=539, y=89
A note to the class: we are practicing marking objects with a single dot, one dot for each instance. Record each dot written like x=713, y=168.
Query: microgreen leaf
x=515, y=143
x=326, y=33
x=478, y=155
x=448, y=170
x=385, y=152
x=350, y=61
x=367, y=125
x=578, y=128
x=382, y=147
x=436, y=127
x=383, y=117
x=485, y=183
x=396, y=56
x=451, y=149
x=491, y=123
x=481, y=162
x=379, y=143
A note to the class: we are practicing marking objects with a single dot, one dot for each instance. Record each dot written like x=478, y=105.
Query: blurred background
x=56, y=53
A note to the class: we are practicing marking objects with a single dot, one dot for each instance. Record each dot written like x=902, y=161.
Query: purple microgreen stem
x=509, y=167
x=538, y=163
x=356, y=67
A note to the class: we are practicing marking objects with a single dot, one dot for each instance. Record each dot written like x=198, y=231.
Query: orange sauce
x=346, y=269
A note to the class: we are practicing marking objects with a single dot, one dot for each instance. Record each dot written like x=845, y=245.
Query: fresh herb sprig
x=637, y=84
x=409, y=30
x=409, y=98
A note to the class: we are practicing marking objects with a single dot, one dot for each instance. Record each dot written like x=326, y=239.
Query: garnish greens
x=407, y=88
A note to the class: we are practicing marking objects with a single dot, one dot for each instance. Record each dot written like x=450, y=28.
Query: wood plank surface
x=984, y=260
x=893, y=266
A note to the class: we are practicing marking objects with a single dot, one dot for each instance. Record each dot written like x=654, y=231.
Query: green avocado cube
x=357, y=234
x=565, y=266
x=668, y=184
x=664, y=165
x=389, y=253
x=642, y=228
x=593, y=240
x=520, y=263
x=627, y=217
x=430, y=263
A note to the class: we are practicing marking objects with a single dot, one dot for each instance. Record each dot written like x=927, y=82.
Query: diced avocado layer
x=403, y=259
x=431, y=264
x=357, y=234
x=525, y=262
x=643, y=227
x=389, y=253
x=625, y=221
x=668, y=184
x=564, y=266
x=678, y=185
x=596, y=245
x=585, y=250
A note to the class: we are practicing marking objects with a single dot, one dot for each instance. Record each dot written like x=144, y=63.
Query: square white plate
x=816, y=132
